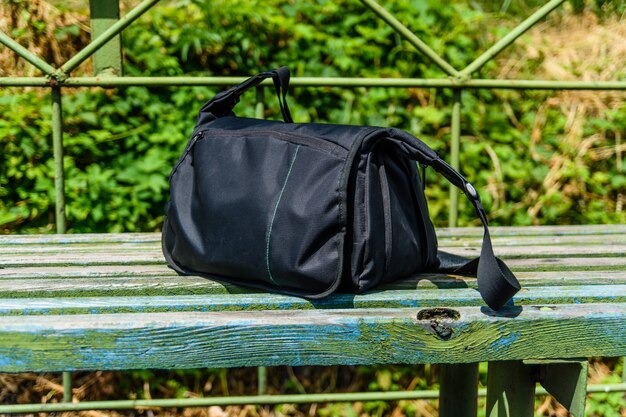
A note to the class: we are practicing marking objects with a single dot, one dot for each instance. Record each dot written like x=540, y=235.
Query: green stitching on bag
x=269, y=232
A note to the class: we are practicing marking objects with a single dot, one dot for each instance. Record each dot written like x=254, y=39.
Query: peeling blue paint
x=504, y=342
x=8, y=361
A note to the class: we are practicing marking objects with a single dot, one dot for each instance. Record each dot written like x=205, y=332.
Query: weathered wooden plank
x=469, y=249
x=547, y=240
x=579, y=263
x=65, y=258
x=591, y=229
x=161, y=275
x=79, y=238
x=442, y=233
x=496, y=231
x=114, y=247
x=115, y=286
x=526, y=279
x=117, y=298
x=318, y=337
x=537, y=254
x=100, y=271
x=540, y=252
x=464, y=241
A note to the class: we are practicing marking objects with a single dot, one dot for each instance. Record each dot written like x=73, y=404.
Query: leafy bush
x=534, y=160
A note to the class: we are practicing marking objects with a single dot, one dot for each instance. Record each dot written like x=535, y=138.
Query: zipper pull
x=188, y=149
x=192, y=142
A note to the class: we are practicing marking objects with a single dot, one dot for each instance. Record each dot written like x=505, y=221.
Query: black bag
x=306, y=208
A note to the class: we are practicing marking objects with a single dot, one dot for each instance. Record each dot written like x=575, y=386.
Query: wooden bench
x=105, y=302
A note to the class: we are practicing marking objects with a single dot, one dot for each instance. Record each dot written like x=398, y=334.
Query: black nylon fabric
x=302, y=208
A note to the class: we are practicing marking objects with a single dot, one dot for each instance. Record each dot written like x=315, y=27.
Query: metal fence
x=105, y=50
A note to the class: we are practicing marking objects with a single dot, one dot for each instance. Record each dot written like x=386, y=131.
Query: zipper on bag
x=188, y=149
x=386, y=197
x=295, y=138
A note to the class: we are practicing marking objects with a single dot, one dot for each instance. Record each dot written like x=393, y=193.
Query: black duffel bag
x=307, y=208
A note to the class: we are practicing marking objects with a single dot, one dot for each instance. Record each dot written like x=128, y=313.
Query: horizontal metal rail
x=259, y=400
x=345, y=82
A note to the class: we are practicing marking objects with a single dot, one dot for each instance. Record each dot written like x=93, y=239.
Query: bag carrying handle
x=496, y=283
x=224, y=102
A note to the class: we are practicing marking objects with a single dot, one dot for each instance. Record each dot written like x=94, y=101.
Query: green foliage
x=607, y=404
x=120, y=144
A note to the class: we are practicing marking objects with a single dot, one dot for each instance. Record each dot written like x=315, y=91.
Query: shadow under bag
x=307, y=208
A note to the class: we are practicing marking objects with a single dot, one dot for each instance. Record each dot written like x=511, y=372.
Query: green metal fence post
x=57, y=145
x=458, y=392
x=108, y=59
x=455, y=145
x=262, y=380
x=67, y=387
x=260, y=114
x=260, y=103
x=107, y=35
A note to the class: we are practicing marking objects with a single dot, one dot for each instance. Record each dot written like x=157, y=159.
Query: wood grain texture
x=442, y=233
x=121, y=300
x=318, y=337
x=110, y=302
x=93, y=271
x=152, y=242
x=531, y=258
x=122, y=252
x=160, y=274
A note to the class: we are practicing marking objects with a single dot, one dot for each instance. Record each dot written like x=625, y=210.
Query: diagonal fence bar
x=26, y=54
x=511, y=37
x=107, y=35
x=411, y=37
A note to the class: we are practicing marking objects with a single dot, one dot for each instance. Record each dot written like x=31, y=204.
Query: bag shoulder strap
x=496, y=283
x=223, y=103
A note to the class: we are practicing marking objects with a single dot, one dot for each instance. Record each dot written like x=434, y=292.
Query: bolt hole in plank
x=439, y=320
x=438, y=314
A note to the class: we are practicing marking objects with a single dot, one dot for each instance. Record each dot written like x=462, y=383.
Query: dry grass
x=91, y=386
x=569, y=48
x=94, y=386
x=39, y=26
